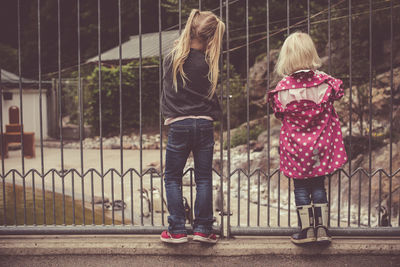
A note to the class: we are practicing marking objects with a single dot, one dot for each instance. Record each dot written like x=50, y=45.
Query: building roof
x=8, y=78
x=150, y=47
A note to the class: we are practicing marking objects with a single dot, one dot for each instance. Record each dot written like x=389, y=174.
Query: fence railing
x=100, y=198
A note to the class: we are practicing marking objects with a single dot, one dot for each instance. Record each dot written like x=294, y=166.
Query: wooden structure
x=13, y=135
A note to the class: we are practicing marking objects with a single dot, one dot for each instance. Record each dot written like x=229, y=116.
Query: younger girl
x=190, y=105
x=311, y=144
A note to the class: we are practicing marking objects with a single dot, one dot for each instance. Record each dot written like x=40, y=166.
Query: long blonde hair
x=207, y=28
x=298, y=52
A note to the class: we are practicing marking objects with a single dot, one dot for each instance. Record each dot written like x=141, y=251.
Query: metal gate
x=264, y=207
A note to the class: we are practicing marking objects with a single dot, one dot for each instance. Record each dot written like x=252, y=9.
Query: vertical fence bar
x=279, y=175
x=279, y=200
x=63, y=196
x=4, y=200
x=287, y=17
x=2, y=133
x=350, y=119
x=112, y=198
x=308, y=16
x=289, y=191
x=339, y=194
x=92, y=191
x=258, y=197
x=24, y=193
x=20, y=87
x=1, y=130
x=15, y=199
x=131, y=181
x=329, y=199
x=100, y=108
x=380, y=199
x=121, y=130
x=370, y=114
x=80, y=85
x=2, y=150
x=41, y=113
x=247, y=88
x=73, y=196
x=391, y=111
x=268, y=124
x=238, y=191
x=102, y=200
x=200, y=5
x=100, y=91
x=221, y=135
x=191, y=193
x=329, y=39
x=180, y=16
x=80, y=96
x=54, y=198
x=123, y=199
x=83, y=198
x=359, y=198
x=60, y=91
x=228, y=121
x=248, y=199
x=140, y=89
x=34, y=199
x=141, y=199
x=60, y=107
x=160, y=74
x=140, y=106
x=391, y=90
x=151, y=199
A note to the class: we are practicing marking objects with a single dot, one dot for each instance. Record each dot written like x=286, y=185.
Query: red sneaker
x=211, y=238
x=167, y=237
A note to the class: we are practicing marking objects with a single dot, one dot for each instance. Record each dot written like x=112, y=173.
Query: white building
x=10, y=91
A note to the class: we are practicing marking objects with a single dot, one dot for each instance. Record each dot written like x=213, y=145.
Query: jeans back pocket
x=206, y=137
x=178, y=138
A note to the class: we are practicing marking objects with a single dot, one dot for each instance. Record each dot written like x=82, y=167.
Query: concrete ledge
x=151, y=245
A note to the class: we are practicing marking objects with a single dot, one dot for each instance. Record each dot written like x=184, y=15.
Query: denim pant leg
x=177, y=153
x=203, y=158
x=318, y=192
x=302, y=192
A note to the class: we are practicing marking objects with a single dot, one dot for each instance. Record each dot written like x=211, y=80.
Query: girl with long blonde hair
x=189, y=106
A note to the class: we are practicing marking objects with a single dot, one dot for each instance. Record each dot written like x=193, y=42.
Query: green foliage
x=8, y=58
x=110, y=93
x=239, y=136
x=237, y=93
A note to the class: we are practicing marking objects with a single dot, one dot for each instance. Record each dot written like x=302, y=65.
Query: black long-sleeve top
x=191, y=99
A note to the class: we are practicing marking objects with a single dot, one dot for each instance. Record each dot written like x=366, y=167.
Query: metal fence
x=253, y=201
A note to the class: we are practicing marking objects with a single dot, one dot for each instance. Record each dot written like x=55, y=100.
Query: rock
x=99, y=200
x=258, y=147
x=127, y=146
x=155, y=165
x=258, y=75
x=115, y=146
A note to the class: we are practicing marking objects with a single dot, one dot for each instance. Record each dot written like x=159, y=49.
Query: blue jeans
x=311, y=189
x=197, y=136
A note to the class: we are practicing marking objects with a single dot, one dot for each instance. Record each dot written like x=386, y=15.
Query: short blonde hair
x=298, y=52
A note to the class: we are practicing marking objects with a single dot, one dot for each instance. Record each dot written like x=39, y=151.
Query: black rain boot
x=321, y=223
x=306, y=221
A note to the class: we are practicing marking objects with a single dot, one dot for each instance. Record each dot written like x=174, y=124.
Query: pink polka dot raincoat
x=311, y=142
